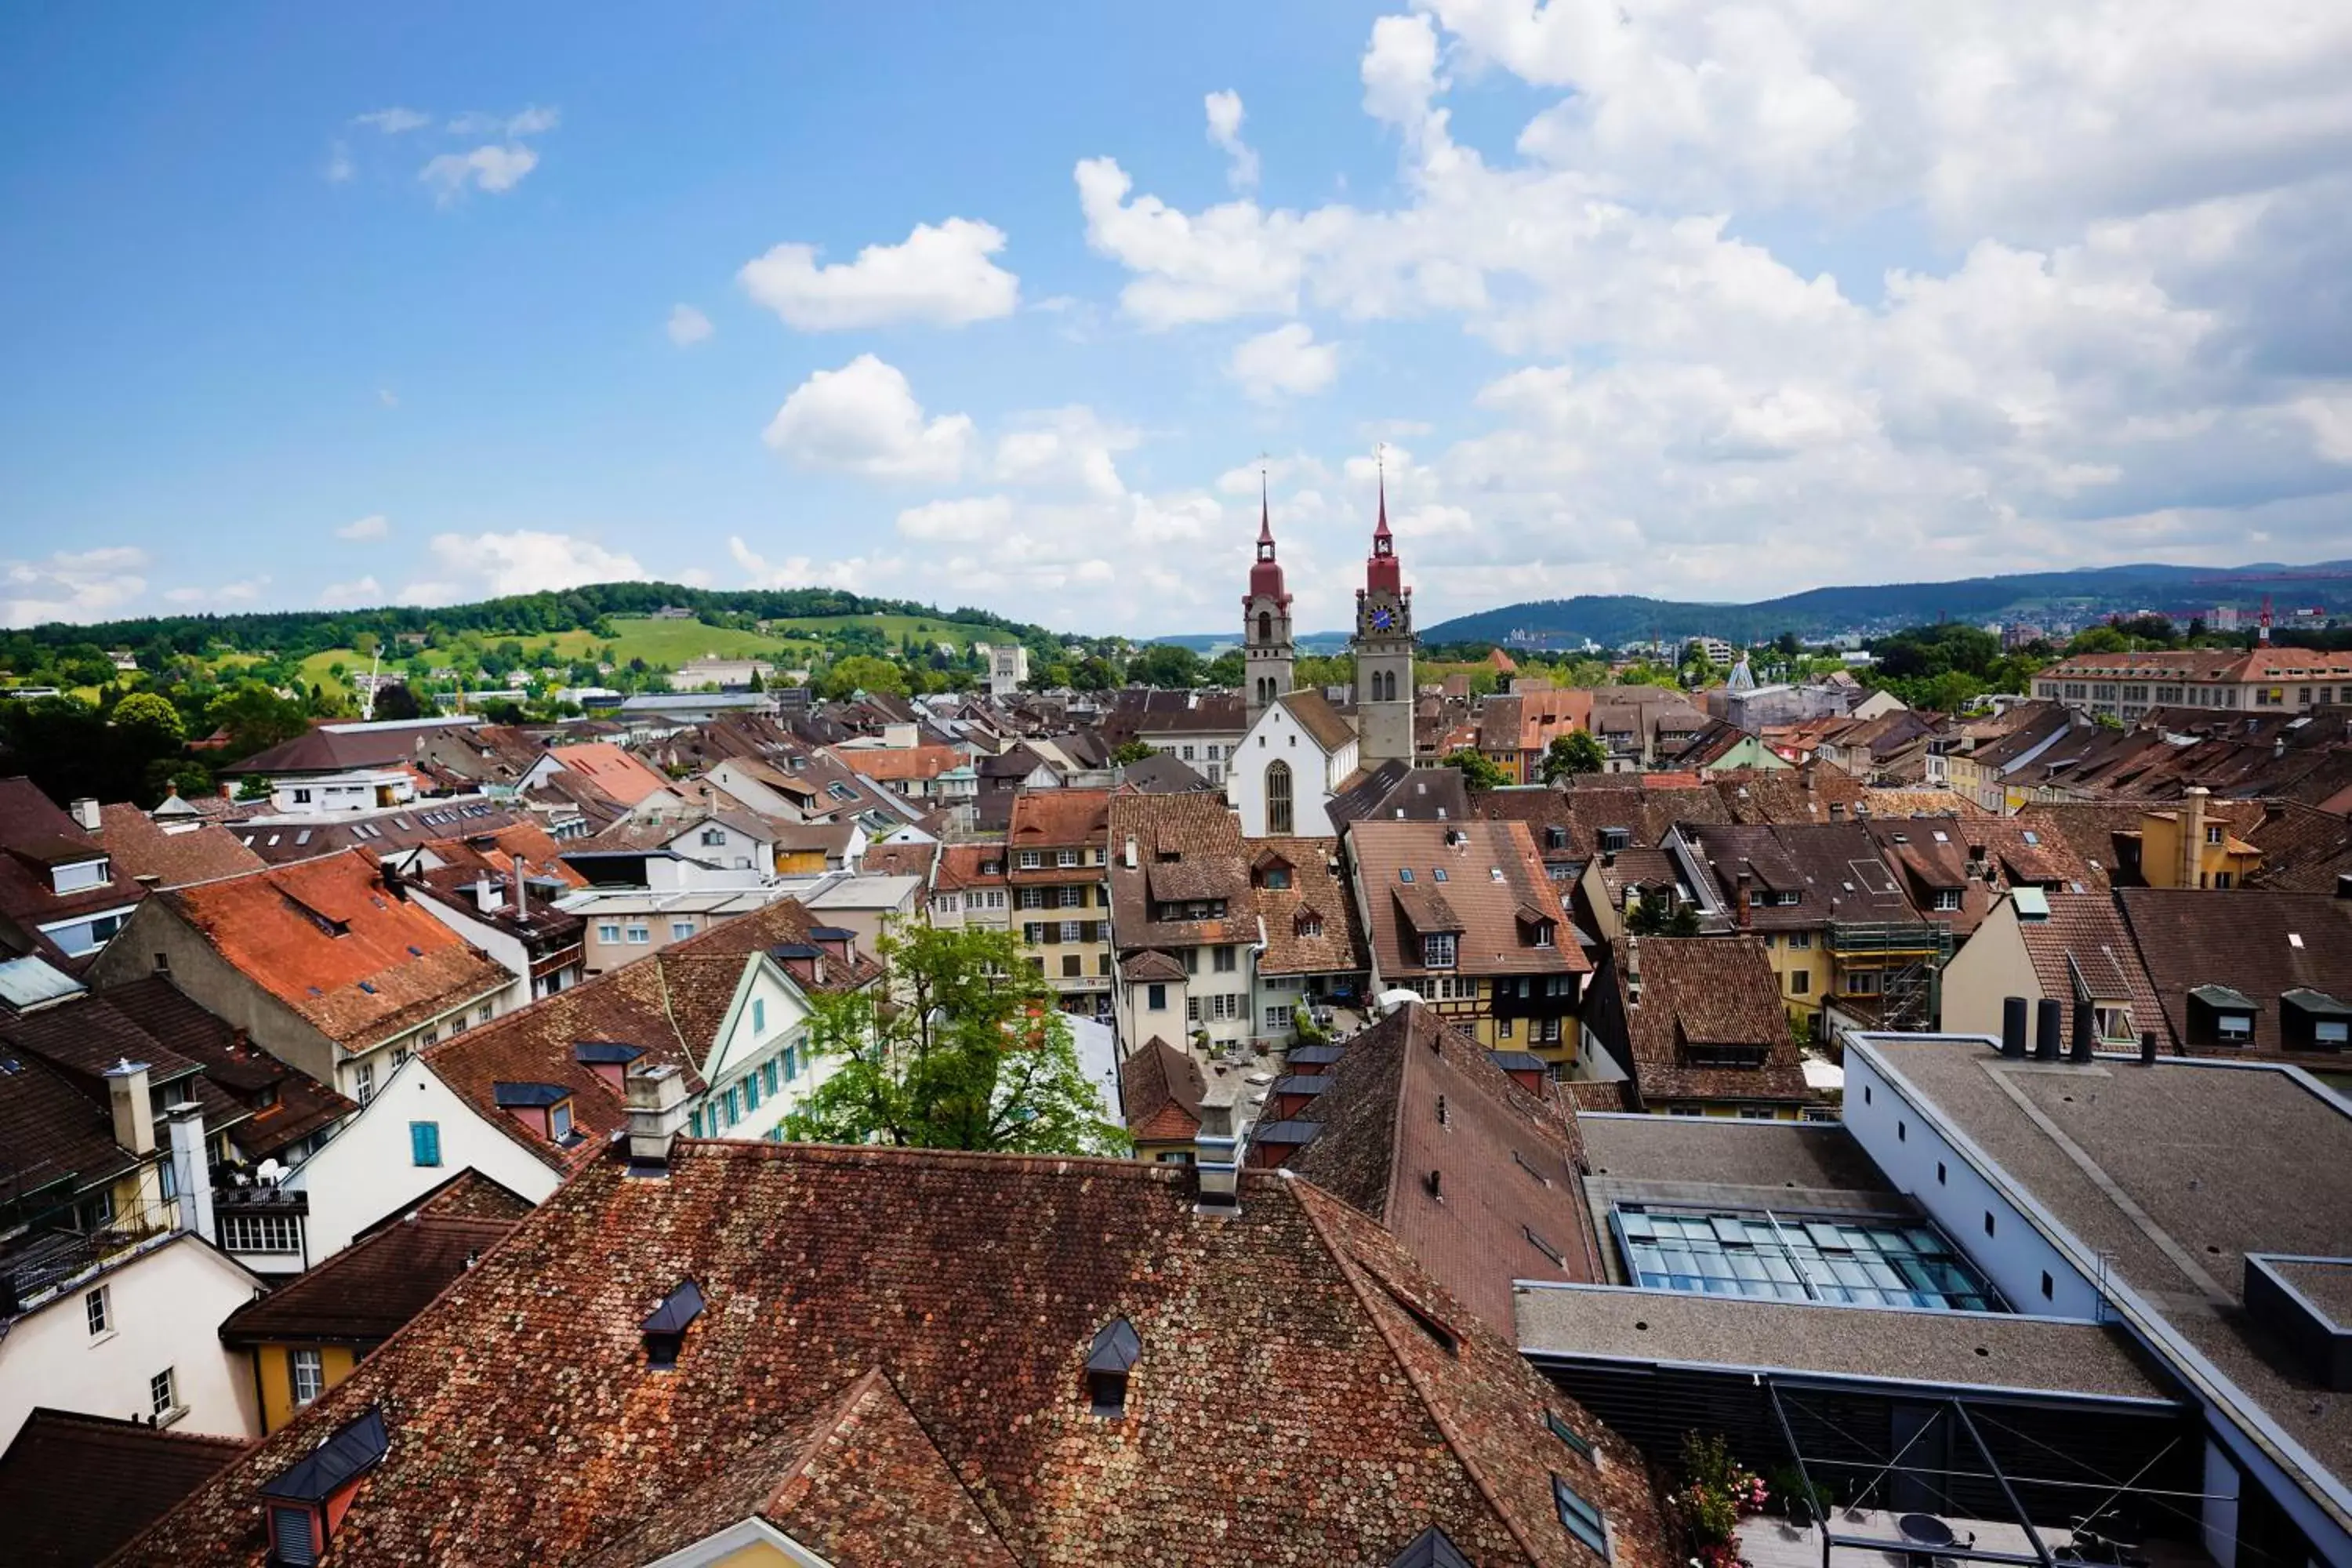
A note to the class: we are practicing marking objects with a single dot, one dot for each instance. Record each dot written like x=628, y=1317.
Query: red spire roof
x=1382, y=574
x=1266, y=577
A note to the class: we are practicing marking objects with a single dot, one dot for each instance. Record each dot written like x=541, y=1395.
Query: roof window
x=1583, y=1520
x=301, y=1501
x=664, y=1331
x=1116, y=1348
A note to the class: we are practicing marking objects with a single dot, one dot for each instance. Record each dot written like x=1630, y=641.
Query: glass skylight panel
x=1794, y=1258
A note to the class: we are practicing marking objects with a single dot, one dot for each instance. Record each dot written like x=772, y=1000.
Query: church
x=1298, y=751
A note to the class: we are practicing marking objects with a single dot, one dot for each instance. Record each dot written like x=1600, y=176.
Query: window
x=759, y=1015
x=1073, y=965
x=1029, y=860
x=1503, y=1028
x=1437, y=950
x=714, y=836
x=424, y=1142
x=1074, y=931
x=559, y=1120
x=734, y=1104
x=1071, y=898
x=2114, y=1023
x=1988, y=1222
x=751, y=1091
x=1947, y=898
x=1155, y=997
x=94, y=1309
x=639, y=933
x=260, y=1232
x=1224, y=957
x=1276, y=1019
x=608, y=931
x=162, y=1393
x=694, y=1124
x=1798, y=941
x=2223, y=878
x=1033, y=898
x=768, y=1072
x=792, y=1063
x=2049, y=1286
x=305, y=1375
x=1583, y=1520
x=1066, y=858
x=1566, y=1434
x=1279, y=815
x=680, y=929
x=1799, y=983
x=364, y=1082
x=1776, y=1255
x=2213, y=833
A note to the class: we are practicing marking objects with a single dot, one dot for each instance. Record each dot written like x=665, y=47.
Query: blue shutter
x=769, y=1068
x=694, y=1124
x=791, y=1065
x=424, y=1142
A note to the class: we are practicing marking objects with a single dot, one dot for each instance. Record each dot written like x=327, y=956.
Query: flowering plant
x=1716, y=1494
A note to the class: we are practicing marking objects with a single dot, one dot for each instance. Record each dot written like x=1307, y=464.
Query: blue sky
x=335, y=306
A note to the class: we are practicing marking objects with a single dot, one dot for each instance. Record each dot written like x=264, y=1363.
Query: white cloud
x=525, y=560
x=1224, y=110
x=863, y=419
x=802, y=571
x=375, y=525
x=940, y=275
x=340, y=167
x=393, y=121
x=359, y=592
x=491, y=168
x=2330, y=419
x=973, y=520
x=1070, y=448
x=530, y=122
x=688, y=326
x=71, y=585
x=1285, y=363
x=244, y=592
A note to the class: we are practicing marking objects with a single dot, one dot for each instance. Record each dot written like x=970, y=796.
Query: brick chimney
x=134, y=1113
x=521, y=888
x=191, y=1172
x=1745, y=900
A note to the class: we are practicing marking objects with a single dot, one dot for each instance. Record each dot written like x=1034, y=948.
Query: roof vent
x=1435, y=1184
x=664, y=1331
x=1109, y=1359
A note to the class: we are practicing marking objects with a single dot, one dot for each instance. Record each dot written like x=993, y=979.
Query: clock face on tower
x=1382, y=619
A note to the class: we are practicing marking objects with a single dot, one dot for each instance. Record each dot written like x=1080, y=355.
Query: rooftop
x=75, y=1487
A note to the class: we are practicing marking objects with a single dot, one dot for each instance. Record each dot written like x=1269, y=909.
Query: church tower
x=1266, y=620
x=1383, y=644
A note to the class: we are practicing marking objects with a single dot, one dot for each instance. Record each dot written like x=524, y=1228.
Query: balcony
x=1890, y=939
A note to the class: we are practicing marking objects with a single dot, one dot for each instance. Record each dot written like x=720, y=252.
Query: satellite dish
x=268, y=1171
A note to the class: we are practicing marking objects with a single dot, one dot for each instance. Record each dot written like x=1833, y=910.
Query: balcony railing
x=1910, y=938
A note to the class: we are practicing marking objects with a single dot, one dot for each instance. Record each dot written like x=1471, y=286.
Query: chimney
x=1216, y=1177
x=2012, y=1027
x=521, y=889
x=657, y=1101
x=2148, y=1048
x=2086, y=1033
x=1126, y=853
x=2049, y=1029
x=191, y=1171
x=392, y=882
x=134, y=1113
x=85, y=813
x=1746, y=896
x=2192, y=837
x=1632, y=971
x=1978, y=865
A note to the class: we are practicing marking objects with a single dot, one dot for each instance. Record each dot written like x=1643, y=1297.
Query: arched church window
x=1278, y=798
x=1265, y=626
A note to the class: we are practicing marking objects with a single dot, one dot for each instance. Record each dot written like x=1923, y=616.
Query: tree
x=1578, y=752
x=397, y=702
x=253, y=786
x=864, y=673
x=1228, y=668
x=1168, y=665
x=1659, y=916
x=960, y=1047
x=256, y=718
x=153, y=722
x=1133, y=752
x=1478, y=771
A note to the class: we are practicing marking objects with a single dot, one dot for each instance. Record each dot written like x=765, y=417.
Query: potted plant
x=1717, y=1493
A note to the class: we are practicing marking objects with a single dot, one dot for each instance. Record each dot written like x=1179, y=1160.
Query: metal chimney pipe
x=2086, y=1033
x=2013, y=1026
x=2148, y=1048
x=2049, y=1029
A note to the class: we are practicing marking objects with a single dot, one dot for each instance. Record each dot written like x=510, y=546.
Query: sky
x=1012, y=305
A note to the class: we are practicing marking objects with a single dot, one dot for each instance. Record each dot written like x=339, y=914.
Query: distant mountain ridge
x=1612, y=619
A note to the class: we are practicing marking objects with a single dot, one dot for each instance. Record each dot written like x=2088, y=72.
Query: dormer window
x=306, y=1501
x=1109, y=1360
x=79, y=875
x=1437, y=950
x=1309, y=923
x=665, y=1331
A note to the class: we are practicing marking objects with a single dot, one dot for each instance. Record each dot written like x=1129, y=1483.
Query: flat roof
x=1745, y=1334
x=1724, y=1152
x=2171, y=1174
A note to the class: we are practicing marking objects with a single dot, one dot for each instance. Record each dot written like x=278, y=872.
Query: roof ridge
x=970, y=1159
x=128, y=1425
x=819, y=1430
x=1342, y=1258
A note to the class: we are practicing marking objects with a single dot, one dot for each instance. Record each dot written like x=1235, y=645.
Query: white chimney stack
x=134, y=1113
x=657, y=1101
x=191, y=1171
x=521, y=889
x=85, y=812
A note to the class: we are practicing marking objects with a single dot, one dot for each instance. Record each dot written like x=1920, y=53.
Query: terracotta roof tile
x=1311, y=926
x=173, y=853
x=527, y=1429
x=1700, y=996
x=624, y=776
x=73, y=1487
x=1160, y=1090
x=2261, y=944
x=365, y=1292
x=1490, y=870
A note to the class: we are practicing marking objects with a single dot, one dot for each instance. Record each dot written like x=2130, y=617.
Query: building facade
x=1383, y=645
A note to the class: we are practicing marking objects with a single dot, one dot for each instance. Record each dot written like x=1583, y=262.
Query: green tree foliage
x=1651, y=917
x=1946, y=667
x=959, y=1048
x=152, y=720
x=1578, y=752
x=1478, y=771
x=397, y=702
x=1170, y=665
x=1228, y=668
x=864, y=673
x=1132, y=752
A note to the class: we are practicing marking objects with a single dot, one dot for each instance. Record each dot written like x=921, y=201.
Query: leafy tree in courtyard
x=1651, y=917
x=1165, y=664
x=960, y=1046
x=864, y=673
x=397, y=702
x=1478, y=771
x=1578, y=752
x=151, y=721
x=1228, y=668
x=1133, y=752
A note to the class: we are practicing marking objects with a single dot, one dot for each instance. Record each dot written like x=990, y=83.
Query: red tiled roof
x=191, y=850
x=619, y=774
x=1160, y=1090
x=1711, y=991
x=365, y=1292
x=1304, y=1390
x=74, y=1487
x=1484, y=906
x=325, y=938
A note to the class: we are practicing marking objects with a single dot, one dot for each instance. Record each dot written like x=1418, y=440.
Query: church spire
x=1380, y=532
x=1265, y=521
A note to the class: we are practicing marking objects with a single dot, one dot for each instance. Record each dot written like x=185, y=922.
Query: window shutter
x=424, y=1142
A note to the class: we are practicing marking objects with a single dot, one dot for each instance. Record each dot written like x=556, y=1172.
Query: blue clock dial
x=1380, y=619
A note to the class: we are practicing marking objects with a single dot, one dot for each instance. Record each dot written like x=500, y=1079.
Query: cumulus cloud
x=340, y=167
x=805, y=571
x=940, y=275
x=688, y=326
x=71, y=585
x=971, y=520
x=863, y=419
x=1285, y=363
x=492, y=168
x=243, y=591
x=525, y=560
x=1066, y=447
x=359, y=593
x=1224, y=110
x=375, y=525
